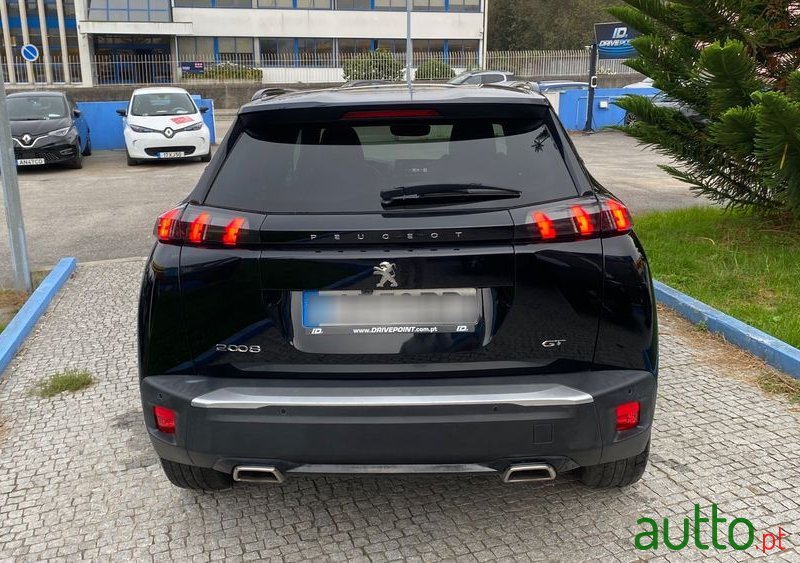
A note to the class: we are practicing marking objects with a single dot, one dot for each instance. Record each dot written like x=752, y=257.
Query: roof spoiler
x=269, y=93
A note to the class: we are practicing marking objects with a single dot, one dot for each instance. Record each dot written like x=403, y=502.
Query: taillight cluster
x=587, y=218
x=205, y=227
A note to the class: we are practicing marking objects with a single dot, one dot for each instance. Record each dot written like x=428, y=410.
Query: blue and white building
x=304, y=35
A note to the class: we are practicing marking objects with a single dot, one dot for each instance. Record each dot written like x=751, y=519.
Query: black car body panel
x=536, y=306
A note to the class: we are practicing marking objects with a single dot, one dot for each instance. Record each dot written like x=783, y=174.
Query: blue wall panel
x=106, y=125
x=572, y=107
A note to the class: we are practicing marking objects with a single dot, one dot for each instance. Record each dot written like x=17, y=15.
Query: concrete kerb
x=775, y=352
x=12, y=338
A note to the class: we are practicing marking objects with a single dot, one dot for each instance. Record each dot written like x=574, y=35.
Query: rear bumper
x=565, y=421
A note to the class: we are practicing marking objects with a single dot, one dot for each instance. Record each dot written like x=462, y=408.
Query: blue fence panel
x=573, y=104
x=106, y=125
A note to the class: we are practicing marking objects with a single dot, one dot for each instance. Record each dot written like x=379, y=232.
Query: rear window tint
x=339, y=167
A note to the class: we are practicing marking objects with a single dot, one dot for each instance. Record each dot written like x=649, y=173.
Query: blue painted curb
x=23, y=322
x=775, y=352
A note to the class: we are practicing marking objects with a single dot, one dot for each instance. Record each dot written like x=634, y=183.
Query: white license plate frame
x=171, y=154
x=30, y=161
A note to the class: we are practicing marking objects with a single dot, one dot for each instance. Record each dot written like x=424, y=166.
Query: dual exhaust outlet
x=522, y=473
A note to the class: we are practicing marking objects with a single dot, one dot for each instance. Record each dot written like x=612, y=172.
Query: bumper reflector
x=165, y=419
x=628, y=415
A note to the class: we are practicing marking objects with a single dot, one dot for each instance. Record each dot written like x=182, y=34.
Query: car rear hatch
x=405, y=242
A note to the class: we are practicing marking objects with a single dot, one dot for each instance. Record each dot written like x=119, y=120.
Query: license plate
x=173, y=154
x=29, y=161
x=391, y=311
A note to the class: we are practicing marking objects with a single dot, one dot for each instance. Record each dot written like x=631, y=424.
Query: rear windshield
x=339, y=167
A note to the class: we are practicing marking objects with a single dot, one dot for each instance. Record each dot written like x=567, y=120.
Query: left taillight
x=168, y=225
x=207, y=227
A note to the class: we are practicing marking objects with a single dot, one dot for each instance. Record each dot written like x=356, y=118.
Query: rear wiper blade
x=445, y=193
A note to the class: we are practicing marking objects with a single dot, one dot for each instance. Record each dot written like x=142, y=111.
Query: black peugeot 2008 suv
x=384, y=280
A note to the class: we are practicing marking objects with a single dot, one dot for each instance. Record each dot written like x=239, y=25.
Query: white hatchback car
x=164, y=123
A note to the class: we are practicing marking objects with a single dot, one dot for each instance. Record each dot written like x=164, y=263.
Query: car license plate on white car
x=29, y=161
x=173, y=154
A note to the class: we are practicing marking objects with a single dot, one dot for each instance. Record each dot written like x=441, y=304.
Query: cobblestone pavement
x=78, y=478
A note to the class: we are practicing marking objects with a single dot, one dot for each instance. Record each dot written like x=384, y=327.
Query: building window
x=130, y=10
x=429, y=5
x=391, y=45
x=233, y=4
x=463, y=53
x=465, y=5
x=314, y=4
x=429, y=45
x=390, y=4
x=354, y=46
x=463, y=45
x=193, y=3
x=235, y=49
x=196, y=48
x=353, y=4
x=277, y=52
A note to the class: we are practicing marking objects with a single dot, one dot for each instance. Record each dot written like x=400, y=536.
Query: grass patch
x=742, y=264
x=780, y=384
x=70, y=380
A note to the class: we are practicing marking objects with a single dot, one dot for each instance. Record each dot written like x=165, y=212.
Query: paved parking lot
x=78, y=478
x=107, y=210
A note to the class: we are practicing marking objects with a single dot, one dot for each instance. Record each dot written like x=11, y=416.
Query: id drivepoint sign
x=30, y=53
x=614, y=40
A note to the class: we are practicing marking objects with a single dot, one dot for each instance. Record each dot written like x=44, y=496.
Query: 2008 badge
x=238, y=348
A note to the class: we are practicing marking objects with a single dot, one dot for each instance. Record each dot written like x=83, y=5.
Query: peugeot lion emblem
x=386, y=270
x=26, y=139
x=168, y=133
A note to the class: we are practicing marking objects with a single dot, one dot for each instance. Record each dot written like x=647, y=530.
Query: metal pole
x=592, y=88
x=8, y=170
x=409, y=45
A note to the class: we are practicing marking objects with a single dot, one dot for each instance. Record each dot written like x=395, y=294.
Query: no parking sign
x=30, y=53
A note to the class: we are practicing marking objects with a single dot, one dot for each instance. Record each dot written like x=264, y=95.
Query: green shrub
x=227, y=71
x=434, y=69
x=376, y=65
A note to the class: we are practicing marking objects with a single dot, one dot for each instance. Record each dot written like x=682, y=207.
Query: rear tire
x=131, y=161
x=195, y=478
x=616, y=473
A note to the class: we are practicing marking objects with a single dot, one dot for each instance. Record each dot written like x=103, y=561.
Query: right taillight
x=575, y=220
x=620, y=216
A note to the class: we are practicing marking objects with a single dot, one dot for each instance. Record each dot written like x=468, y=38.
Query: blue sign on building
x=30, y=53
x=614, y=40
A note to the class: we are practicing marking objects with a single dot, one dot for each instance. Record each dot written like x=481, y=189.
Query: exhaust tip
x=529, y=472
x=257, y=474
